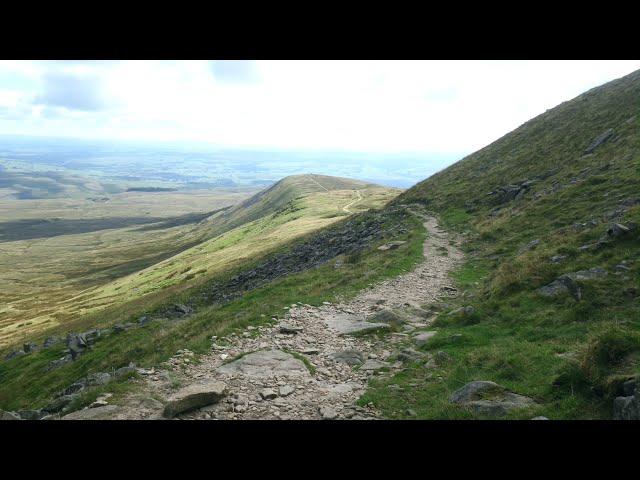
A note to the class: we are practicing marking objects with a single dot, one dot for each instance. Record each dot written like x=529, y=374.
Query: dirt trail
x=268, y=380
x=346, y=207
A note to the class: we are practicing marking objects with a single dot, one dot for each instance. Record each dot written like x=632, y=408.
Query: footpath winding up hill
x=527, y=308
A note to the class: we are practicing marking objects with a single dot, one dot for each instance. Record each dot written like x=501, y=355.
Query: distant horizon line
x=213, y=146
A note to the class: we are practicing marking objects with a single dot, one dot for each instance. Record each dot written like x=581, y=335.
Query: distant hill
x=293, y=207
x=279, y=195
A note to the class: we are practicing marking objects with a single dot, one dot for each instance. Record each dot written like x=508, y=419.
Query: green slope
x=293, y=207
x=532, y=195
x=279, y=196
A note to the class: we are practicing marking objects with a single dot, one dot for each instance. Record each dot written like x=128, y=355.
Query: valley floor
x=314, y=363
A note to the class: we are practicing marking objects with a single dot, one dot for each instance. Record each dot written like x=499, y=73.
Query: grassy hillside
x=280, y=196
x=293, y=207
x=50, y=250
x=533, y=206
x=56, y=280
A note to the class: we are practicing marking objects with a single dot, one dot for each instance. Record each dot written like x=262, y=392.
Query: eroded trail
x=309, y=365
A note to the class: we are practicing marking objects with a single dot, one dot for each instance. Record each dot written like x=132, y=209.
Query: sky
x=439, y=107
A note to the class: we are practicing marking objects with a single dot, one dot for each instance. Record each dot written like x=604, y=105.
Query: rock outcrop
x=489, y=398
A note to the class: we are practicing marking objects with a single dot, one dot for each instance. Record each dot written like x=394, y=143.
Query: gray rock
x=194, y=396
x=31, y=414
x=558, y=258
x=599, y=140
x=590, y=274
x=328, y=413
x=422, y=338
x=410, y=412
x=532, y=245
x=373, y=365
x=9, y=416
x=462, y=311
x=442, y=358
x=100, y=378
x=265, y=363
x=629, y=387
x=563, y=284
x=627, y=408
x=290, y=329
x=124, y=371
x=386, y=316
x=182, y=309
x=29, y=347
x=14, y=354
x=100, y=413
x=361, y=328
x=616, y=230
x=122, y=327
x=350, y=357
x=143, y=320
x=50, y=341
x=74, y=387
x=540, y=418
x=60, y=362
x=286, y=390
x=409, y=355
x=391, y=245
x=268, y=394
x=489, y=398
x=59, y=403
x=310, y=351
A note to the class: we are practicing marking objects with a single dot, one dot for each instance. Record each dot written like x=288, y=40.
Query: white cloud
x=393, y=106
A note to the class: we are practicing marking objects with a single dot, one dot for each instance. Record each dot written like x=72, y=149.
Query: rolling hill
x=110, y=266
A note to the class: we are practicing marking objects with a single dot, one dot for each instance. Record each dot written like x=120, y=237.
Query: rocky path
x=312, y=364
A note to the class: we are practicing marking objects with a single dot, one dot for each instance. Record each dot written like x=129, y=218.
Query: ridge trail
x=329, y=388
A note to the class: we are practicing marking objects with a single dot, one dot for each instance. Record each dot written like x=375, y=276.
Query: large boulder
x=31, y=414
x=195, y=396
x=563, y=284
x=489, y=398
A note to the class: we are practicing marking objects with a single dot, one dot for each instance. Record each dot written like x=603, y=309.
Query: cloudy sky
x=445, y=107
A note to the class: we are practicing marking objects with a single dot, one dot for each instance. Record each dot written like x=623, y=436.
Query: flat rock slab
x=353, y=324
x=372, y=365
x=99, y=413
x=350, y=357
x=195, y=396
x=266, y=363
